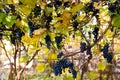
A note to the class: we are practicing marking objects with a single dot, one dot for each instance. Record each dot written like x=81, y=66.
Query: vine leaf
x=116, y=21
x=40, y=67
x=101, y=66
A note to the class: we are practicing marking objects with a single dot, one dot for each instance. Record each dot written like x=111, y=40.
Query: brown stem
x=5, y=51
x=22, y=70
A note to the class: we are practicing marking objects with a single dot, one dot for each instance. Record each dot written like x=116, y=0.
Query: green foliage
x=42, y=29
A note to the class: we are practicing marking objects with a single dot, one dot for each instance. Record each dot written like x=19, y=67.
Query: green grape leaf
x=9, y=20
x=40, y=67
x=2, y=16
x=101, y=66
x=92, y=75
x=116, y=21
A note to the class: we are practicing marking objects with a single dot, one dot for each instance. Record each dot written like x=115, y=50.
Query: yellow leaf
x=32, y=41
x=52, y=56
x=85, y=1
x=24, y=9
x=101, y=66
x=40, y=67
x=75, y=8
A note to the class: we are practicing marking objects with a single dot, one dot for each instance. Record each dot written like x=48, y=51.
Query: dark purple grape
x=1, y=35
x=57, y=68
x=60, y=55
x=12, y=39
x=82, y=46
x=48, y=41
x=58, y=40
x=74, y=73
x=95, y=33
x=105, y=50
x=57, y=3
x=109, y=57
x=112, y=7
x=48, y=18
x=88, y=52
x=18, y=33
x=31, y=28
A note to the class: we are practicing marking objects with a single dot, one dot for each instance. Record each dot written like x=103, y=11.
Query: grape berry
x=106, y=54
x=48, y=41
x=58, y=40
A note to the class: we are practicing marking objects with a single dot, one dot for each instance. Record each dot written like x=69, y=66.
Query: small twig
x=5, y=50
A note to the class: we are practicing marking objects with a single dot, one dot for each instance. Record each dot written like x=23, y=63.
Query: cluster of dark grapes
x=95, y=33
x=36, y=10
x=84, y=47
x=62, y=64
x=91, y=8
x=60, y=54
x=32, y=27
x=16, y=35
x=48, y=41
x=106, y=54
x=58, y=40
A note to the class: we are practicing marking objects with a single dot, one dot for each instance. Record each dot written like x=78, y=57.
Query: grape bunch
x=106, y=54
x=18, y=33
x=82, y=46
x=95, y=33
x=61, y=65
x=90, y=8
x=48, y=41
x=58, y=40
x=36, y=10
x=31, y=28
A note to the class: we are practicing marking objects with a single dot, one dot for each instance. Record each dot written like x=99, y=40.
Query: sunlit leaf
x=9, y=20
x=24, y=9
x=76, y=8
x=2, y=15
x=85, y=1
x=92, y=75
x=40, y=67
x=116, y=21
x=101, y=66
